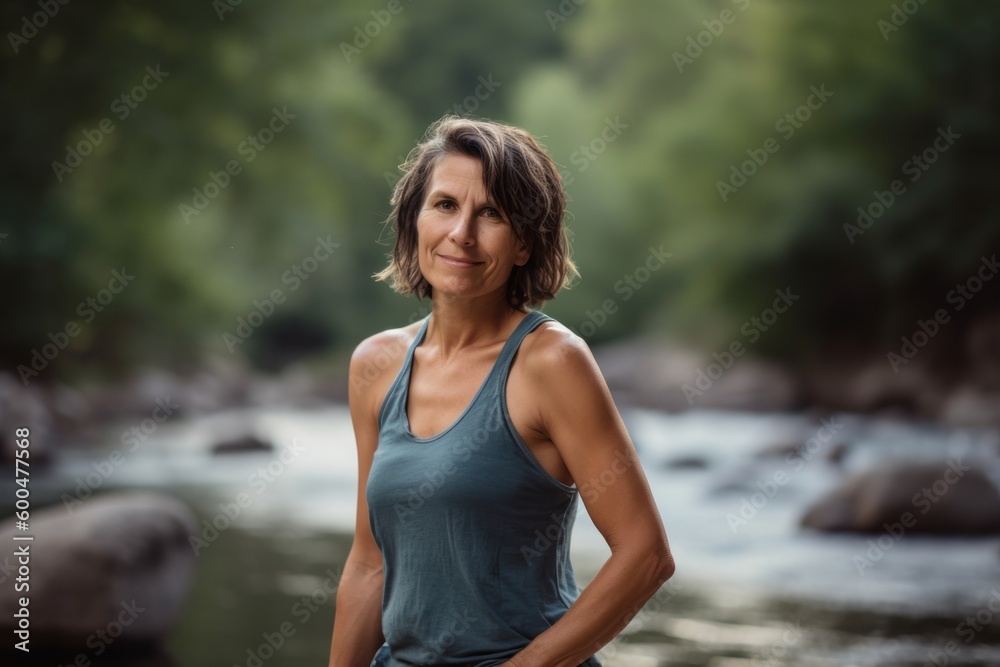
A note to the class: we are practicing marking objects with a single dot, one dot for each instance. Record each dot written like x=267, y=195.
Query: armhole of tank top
x=505, y=374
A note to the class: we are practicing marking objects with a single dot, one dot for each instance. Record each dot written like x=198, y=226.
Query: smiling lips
x=461, y=263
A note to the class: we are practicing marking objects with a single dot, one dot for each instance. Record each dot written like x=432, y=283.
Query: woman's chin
x=456, y=292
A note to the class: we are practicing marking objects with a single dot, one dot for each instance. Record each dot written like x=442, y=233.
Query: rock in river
x=947, y=498
x=245, y=442
x=113, y=569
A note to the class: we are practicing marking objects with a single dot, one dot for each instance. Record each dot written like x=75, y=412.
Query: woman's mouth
x=460, y=263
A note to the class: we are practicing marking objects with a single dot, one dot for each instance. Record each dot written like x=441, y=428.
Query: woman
x=470, y=464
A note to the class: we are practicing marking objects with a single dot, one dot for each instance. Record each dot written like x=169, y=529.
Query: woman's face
x=465, y=246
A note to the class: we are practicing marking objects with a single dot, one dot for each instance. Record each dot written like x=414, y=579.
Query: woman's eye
x=492, y=213
x=444, y=203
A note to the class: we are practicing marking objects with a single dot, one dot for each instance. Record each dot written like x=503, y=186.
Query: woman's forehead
x=457, y=176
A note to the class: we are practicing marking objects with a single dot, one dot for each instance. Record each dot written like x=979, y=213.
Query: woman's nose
x=463, y=232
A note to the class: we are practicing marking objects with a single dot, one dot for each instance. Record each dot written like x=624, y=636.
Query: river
x=751, y=587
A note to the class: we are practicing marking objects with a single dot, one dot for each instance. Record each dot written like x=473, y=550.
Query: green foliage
x=356, y=111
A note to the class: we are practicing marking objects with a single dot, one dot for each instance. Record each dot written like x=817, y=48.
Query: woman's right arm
x=357, y=625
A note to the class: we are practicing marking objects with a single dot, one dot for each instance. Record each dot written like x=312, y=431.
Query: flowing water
x=751, y=587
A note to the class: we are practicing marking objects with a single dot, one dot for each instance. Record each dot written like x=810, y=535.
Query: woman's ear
x=523, y=254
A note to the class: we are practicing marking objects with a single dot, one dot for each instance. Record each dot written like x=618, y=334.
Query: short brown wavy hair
x=524, y=184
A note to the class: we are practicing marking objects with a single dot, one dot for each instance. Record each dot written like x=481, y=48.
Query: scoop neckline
x=475, y=397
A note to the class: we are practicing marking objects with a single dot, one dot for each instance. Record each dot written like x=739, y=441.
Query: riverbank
x=641, y=373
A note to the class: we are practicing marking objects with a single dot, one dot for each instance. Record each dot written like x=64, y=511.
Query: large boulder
x=948, y=497
x=970, y=406
x=113, y=569
x=647, y=373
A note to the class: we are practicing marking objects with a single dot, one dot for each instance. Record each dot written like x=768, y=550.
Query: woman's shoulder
x=379, y=357
x=387, y=344
x=559, y=376
x=552, y=345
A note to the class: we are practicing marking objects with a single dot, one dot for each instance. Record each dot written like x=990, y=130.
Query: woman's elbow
x=667, y=565
x=656, y=562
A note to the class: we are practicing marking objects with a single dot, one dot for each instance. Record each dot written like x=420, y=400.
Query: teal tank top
x=474, y=533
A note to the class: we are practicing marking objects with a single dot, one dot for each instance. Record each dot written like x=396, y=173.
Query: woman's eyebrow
x=442, y=194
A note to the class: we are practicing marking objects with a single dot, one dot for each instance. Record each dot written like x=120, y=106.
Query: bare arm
x=357, y=626
x=582, y=421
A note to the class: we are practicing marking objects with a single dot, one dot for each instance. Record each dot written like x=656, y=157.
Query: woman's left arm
x=581, y=419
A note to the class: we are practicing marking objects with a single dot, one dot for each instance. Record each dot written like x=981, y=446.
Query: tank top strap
x=390, y=412
x=393, y=412
x=527, y=324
